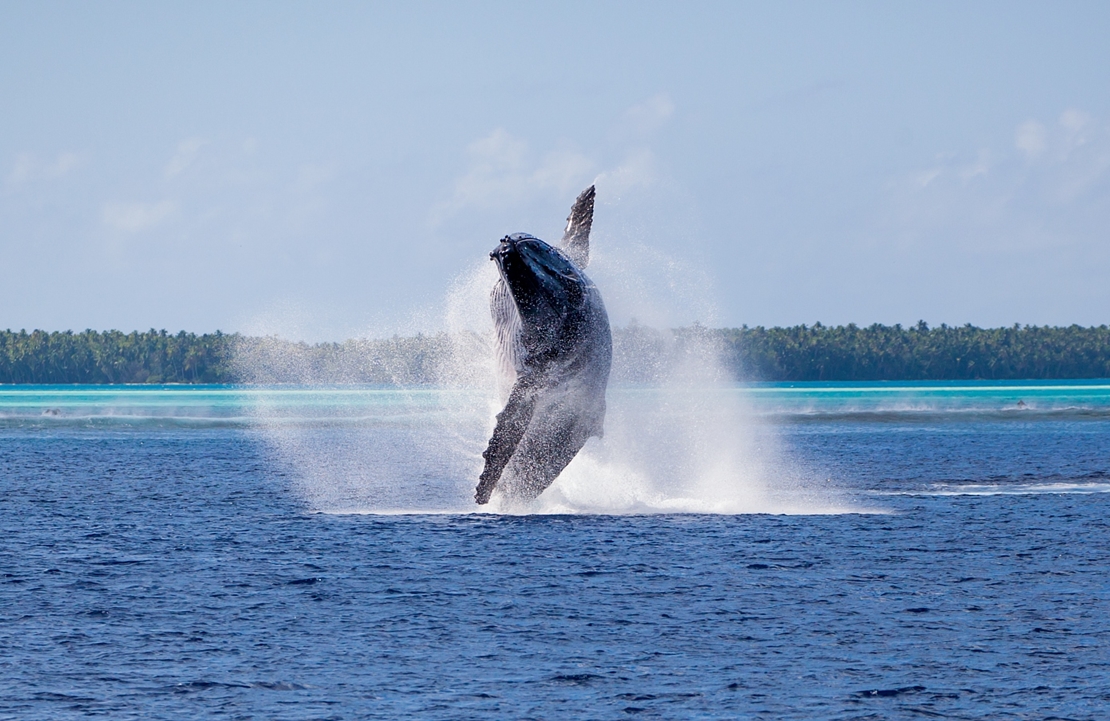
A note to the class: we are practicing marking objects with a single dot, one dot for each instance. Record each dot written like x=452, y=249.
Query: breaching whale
x=553, y=341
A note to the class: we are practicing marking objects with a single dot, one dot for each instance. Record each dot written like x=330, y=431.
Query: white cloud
x=923, y=178
x=1031, y=138
x=949, y=169
x=27, y=167
x=980, y=166
x=643, y=119
x=62, y=166
x=1078, y=138
x=1074, y=121
x=502, y=172
x=135, y=217
x=498, y=151
x=637, y=170
x=187, y=151
x=562, y=171
x=1054, y=191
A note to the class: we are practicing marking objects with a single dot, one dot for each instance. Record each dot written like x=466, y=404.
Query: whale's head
x=549, y=290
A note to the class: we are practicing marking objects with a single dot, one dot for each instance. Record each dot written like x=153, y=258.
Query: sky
x=330, y=170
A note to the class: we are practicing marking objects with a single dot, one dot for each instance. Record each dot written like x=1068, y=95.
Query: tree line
x=881, y=352
x=114, y=357
x=641, y=354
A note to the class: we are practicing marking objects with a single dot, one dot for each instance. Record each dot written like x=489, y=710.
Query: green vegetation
x=800, y=353
x=113, y=357
x=878, y=352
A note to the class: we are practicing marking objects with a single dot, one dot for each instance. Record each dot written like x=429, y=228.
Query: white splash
x=684, y=445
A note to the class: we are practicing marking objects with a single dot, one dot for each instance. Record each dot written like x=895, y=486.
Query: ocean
x=780, y=551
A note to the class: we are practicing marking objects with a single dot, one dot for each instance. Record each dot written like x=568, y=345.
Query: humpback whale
x=553, y=343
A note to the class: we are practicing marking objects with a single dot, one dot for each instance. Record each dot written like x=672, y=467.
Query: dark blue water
x=151, y=571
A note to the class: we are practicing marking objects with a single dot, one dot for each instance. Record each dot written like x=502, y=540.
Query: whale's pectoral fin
x=576, y=237
x=511, y=424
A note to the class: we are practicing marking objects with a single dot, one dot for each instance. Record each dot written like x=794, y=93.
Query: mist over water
x=684, y=443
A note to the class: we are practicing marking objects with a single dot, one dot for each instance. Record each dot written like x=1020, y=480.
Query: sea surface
x=846, y=551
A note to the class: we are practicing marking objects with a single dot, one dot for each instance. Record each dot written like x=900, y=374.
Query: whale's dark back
x=558, y=399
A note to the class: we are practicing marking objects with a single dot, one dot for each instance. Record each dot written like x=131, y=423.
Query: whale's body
x=554, y=343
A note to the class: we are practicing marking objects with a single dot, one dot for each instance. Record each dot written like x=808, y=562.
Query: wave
x=156, y=422
x=934, y=414
x=118, y=422
x=374, y=415
x=1002, y=489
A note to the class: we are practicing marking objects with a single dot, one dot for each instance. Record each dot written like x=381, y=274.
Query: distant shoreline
x=641, y=354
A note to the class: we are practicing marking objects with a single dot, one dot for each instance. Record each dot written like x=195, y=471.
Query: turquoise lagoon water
x=127, y=403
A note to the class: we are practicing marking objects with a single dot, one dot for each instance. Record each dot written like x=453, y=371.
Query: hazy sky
x=327, y=169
